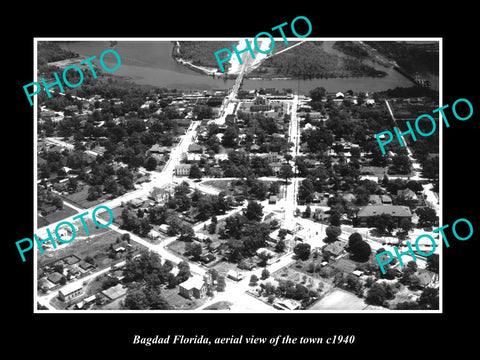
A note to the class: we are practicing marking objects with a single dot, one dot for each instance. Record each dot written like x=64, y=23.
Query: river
x=151, y=62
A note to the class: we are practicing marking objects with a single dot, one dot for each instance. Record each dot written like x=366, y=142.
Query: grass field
x=97, y=241
x=80, y=199
x=339, y=300
x=221, y=185
x=66, y=212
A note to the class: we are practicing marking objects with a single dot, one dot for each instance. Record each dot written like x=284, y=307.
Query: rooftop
x=195, y=282
x=393, y=210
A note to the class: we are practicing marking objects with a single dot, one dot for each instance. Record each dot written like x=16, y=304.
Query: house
x=396, y=211
x=206, y=258
x=136, y=203
x=193, y=287
x=272, y=199
x=153, y=234
x=335, y=248
x=266, y=252
x=425, y=277
x=119, y=249
x=164, y=228
x=254, y=148
x=115, y=292
x=320, y=214
x=55, y=277
x=357, y=273
x=234, y=275
x=85, y=302
x=195, y=148
x=273, y=157
x=386, y=199
x=246, y=264
x=182, y=169
x=157, y=149
x=72, y=259
x=70, y=291
x=276, y=167
x=85, y=265
x=374, y=199
x=408, y=195
x=160, y=195
x=287, y=304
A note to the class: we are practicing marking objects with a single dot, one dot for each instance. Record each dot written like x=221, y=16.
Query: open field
x=80, y=199
x=339, y=300
x=96, y=242
x=66, y=212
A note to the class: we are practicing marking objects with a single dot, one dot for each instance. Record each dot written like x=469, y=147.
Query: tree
x=253, y=280
x=384, y=223
x=183, y=271
x=280, y=246
x=360, y=251
x=58, y=268
x=412, y=265
x=135, y=300
x=308, y=212
x=155, y=300
x=286, y=171
x=254, y=211
x=265, y=274
x=109, y=282
x=354, y=284
x=401, y=164
x=213, y=274
x=186, y=233
x=317, y=94
x=94, y=192
x=376, y=295
x=306, y=190
x=195, y=172
x=302, y=251
x=405, y=224
x=333, y=232
x=150, y=163
x=433, y=263
x=57, y=202
x=429, y=299
x=221, y=283
x=194, y=250
x=230, y=137
x=72, y=185
x=426, y=216
x=110, y=185
x=212, y=227
x=354, y=238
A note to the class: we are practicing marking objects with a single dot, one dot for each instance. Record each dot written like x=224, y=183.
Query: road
x=290, y=201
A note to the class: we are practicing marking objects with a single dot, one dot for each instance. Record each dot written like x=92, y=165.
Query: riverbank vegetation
x=201, y=53
x=412, y=57
x=309, y=60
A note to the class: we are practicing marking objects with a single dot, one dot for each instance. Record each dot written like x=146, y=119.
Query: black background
x=111, y=334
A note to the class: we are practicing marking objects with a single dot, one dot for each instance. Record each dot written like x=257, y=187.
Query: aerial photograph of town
x=258, y=189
